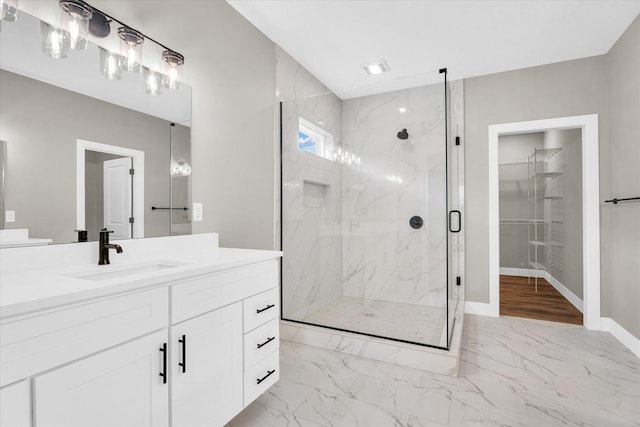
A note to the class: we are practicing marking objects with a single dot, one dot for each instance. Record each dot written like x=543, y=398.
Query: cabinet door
x=117, y=387
x=207, y=368
x=15, y=405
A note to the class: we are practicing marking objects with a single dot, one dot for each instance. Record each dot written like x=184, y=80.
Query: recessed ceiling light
x=402, y=110
x=376, y=68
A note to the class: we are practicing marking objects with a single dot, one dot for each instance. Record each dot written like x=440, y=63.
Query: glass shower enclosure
x=369, y=214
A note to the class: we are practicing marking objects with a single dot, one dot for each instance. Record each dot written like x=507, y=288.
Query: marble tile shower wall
x=384, y=258
x=311, y=195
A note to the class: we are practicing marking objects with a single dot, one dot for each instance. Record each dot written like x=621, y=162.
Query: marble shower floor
x=514, y=372
x=409, y=322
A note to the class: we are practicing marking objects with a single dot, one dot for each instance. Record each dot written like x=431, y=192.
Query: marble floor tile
x=514, y=372
x=418, y=323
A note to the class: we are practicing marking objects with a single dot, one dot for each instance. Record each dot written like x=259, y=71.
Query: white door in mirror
x=197, y=212
x=117, y=197
x=10, y=216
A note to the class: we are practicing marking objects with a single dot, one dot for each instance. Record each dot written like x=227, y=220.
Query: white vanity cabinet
x=15, y=405
x=189, y=351
x=206, y=373
x=122, y=386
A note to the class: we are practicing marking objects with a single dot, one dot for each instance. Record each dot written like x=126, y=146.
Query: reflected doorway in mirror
x=133, y=192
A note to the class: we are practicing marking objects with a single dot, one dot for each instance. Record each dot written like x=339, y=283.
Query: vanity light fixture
x=79, y=20
x=172, y=69
x=54, y=42
x=376, y=68
x=131, y=48
x=74, y=20
x=9, y=10
x=402, y=110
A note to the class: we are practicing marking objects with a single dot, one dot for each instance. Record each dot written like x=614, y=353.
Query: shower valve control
x=416, y=222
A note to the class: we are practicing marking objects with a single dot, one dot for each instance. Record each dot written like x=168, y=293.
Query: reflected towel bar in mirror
x=153, y=208
x=615, y=201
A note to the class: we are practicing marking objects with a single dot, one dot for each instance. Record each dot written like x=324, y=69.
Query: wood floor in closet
x=519, y=298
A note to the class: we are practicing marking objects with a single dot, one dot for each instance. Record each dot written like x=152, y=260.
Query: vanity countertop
x=26, y=291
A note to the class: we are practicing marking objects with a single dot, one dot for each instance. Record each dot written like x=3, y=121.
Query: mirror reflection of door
x=117, y=203
x=108, y=194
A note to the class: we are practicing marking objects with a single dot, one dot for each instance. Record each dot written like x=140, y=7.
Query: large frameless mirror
x=83, y=151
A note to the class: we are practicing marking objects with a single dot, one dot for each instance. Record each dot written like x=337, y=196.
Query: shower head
x=403, y=134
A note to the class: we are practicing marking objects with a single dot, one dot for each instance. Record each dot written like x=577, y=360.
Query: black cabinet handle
x=260, y=310
x=459, y=221
x=183, y=341
x=163, y=374
x=265, y=377
x=266, y=342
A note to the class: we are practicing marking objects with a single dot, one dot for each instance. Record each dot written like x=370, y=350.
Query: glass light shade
x=110, y=64
x=75, y=21
x=131, y=49
x=9, y=10
x=172, y=69
x=152, y=81
x=54, y=41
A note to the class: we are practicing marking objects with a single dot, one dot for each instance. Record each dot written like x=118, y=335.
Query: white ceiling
x=334, y=39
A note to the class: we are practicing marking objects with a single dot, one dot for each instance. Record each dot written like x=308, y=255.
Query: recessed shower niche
x=316, y=195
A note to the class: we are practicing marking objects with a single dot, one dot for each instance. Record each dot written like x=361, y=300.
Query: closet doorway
x=540, y=198
x=549, y=233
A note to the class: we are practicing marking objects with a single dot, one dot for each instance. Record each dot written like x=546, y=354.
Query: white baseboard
x=521, y=272
x=480, y=308
x=564, y=291
x=570, y=296
x=622, y=335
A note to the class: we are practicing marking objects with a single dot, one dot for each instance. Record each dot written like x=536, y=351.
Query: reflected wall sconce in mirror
x=78, y=20
x=180, y=168
x=9, y=10
x=110, y=64
x=54, y=41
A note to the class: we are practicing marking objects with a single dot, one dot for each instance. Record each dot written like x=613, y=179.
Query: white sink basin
x=116, y=272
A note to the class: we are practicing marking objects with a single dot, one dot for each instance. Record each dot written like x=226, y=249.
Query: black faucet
x=104, y=247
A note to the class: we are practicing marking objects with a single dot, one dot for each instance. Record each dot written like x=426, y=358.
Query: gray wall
x=231, y=71
x=607, y=85
x=621, y=223
x=557, y=90
x=41, y=124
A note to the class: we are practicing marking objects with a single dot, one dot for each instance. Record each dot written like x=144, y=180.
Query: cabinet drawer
x=260, y=377
x=43, y=341
x=261, y=308
x=260, y=342
x=201, y=295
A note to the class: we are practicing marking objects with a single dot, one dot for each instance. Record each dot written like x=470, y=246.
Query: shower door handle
x=459, y=221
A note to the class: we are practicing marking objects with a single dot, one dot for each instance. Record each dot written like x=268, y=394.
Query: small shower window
x=315, y=140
